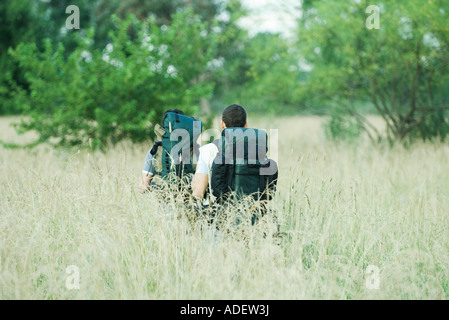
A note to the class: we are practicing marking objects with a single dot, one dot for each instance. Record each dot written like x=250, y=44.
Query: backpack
x=179, y=146
x=241, y=165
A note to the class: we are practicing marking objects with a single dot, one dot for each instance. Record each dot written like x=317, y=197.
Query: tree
x=161, y=11
x=271, y=77
x=17, y=23
x=261, y=72
x=402, y=68
x=100, y=96
x=31, y=21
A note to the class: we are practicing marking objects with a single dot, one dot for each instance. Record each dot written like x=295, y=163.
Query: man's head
x=234, y=116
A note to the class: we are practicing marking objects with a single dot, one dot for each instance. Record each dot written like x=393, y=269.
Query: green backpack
x=179, y=145
x=241, y=165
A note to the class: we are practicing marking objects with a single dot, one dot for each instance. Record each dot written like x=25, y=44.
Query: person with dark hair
x=149, y=170
x=234, y=116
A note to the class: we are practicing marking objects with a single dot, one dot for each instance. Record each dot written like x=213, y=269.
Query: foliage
x=260, y=72
x=83, y=77
x=341, y=126
x=272, y=75
x=232, y=41
x=16, y=23
x=30, y=21
x=401, y=68
x=161, y=11
x=95, y=97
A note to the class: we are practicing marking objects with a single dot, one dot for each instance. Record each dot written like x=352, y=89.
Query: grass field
x=343, y=209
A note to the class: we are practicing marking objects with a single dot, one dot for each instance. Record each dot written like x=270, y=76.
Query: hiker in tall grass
x=234, y=116
x=149, y=169
x=236, y=163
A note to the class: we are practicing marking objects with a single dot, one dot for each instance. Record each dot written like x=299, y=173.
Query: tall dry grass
x=341, y=208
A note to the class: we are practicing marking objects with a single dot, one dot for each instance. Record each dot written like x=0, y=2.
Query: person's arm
x=200, y=182
x=147, y=173
x=144, y=182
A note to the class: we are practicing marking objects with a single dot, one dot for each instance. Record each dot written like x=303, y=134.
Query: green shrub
x=342, y=126
x=99, y=97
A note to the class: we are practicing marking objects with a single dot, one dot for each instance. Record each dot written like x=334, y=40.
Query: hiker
x=214, y=176
x=149, y=169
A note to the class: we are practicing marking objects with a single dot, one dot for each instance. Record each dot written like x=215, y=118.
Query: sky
x=271, y=15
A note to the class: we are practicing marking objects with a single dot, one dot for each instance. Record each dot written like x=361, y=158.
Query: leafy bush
x=341, y=126
x=402, y=68
x=269, y=76
x=96, y=97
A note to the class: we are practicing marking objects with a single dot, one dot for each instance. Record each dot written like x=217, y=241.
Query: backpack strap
x=229, y=168
x=156, y=145
x=230, y=173
x=262, y=185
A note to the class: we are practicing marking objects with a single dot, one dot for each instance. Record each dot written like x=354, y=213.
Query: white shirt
x=206, y=158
